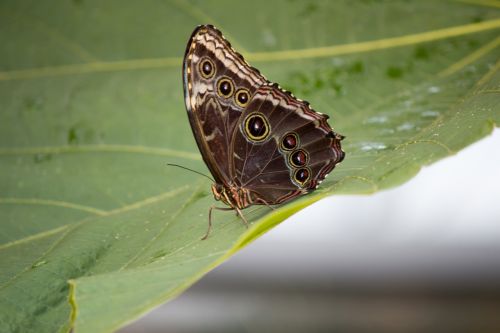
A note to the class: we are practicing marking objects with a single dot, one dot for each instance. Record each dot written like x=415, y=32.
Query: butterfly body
x=262, y=145
x=232, y=195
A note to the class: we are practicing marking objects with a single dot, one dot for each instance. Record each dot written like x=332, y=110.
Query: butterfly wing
x=218, y=84
x=253, y=135
x=282, y=147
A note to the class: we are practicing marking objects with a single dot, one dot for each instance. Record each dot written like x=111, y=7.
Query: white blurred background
x=424, y=256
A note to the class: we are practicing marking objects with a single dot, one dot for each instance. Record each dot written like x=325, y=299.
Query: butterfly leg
x=265, y=203
x=238, y=212
x=210, y=218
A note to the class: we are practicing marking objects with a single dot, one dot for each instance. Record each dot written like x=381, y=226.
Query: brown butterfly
x=262, y=145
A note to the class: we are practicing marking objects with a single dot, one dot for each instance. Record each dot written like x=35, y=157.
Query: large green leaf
x=92, y=109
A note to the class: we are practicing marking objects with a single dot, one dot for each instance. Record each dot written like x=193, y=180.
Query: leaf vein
x=55, y=203
x=111, y=148
x=162, y=230
x=482, y=51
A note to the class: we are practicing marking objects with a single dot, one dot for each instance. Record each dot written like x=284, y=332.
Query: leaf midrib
x=283, y=55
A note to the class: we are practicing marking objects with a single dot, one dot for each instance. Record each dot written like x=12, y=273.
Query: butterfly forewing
x=216, y=82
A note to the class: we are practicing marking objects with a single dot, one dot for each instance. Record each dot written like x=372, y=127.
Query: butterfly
x=262, y=145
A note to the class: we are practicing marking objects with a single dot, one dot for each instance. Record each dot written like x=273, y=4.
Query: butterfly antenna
x=183, y=167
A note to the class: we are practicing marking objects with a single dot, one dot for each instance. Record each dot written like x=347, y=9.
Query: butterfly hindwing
x=292, y=156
